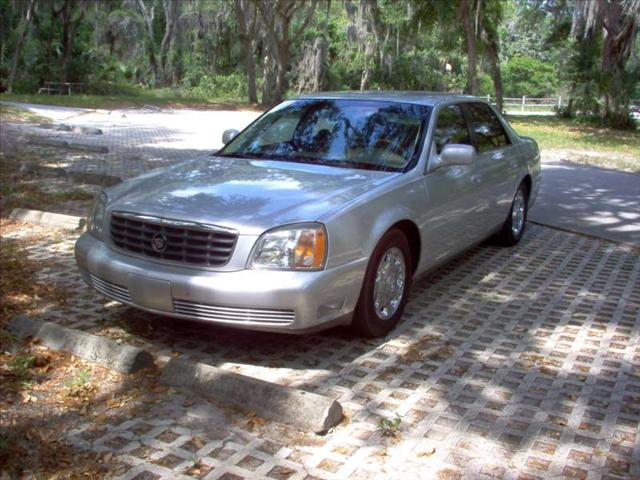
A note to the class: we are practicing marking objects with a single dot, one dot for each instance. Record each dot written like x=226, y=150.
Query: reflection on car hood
x=248, y=195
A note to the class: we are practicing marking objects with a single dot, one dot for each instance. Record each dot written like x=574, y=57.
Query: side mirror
x=457, y=154
x=228, y=135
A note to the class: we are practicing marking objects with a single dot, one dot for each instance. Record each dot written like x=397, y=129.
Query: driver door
x=449, y=224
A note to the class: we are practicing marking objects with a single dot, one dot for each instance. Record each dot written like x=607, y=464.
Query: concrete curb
x=101, y=350
x=626, y=245
x=92, y=178
x=54, y=142
x=303, y=410
x=49, y=219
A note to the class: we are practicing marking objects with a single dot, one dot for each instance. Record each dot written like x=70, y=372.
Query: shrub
x=524, y=75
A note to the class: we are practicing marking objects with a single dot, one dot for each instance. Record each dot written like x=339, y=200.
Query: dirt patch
x=22, y=185
x=429, y=347
x=19, y=289
x=45, y=394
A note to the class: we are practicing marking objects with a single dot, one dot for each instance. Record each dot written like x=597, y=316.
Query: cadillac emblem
x=159, y=242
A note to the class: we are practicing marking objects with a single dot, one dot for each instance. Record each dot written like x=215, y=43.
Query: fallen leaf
x=26, y=397
x=428, y=452
x=382, y=453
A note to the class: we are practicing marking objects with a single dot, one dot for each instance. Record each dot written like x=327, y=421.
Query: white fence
x=529, y=104
x=546, y=105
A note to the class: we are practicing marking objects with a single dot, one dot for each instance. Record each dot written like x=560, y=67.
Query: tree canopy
x=264, y=50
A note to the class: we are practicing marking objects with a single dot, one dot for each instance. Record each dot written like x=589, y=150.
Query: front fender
x=355, y=232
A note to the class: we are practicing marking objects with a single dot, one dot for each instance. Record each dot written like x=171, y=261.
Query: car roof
x=421, y=98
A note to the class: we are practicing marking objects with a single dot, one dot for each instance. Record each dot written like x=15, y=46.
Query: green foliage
x=4, y=441
x=390, y=426
x=21, y=365
x=117, y=50
x=524, y=75
x=79, y=380
x=485, y=84
x=200, y=83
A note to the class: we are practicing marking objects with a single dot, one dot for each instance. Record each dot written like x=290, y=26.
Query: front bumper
x=277, y=301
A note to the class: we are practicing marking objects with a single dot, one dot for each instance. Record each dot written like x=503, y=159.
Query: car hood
x=248, y=195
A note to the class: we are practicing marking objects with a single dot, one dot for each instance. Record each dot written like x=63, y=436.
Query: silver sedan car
x=319, y=213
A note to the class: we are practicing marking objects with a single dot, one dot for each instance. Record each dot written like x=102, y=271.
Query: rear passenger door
x=495, y=169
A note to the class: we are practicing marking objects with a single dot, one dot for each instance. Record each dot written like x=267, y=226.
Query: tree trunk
x=67, y=39
x=247, y=34
x=492, y=46
x=277, y=16
x=497, y=82
x=620, y=31
x=269, y=83
x=24, y=28
x=69, y=28
x=465, y=10
x=366, y=72
x=619, y=21
x=148, y=15
x=282, y=82
x=171, y=14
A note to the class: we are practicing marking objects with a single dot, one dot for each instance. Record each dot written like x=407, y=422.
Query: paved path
x=537, y=376
x=601, y=202
x=138, y=140
x=575, y=197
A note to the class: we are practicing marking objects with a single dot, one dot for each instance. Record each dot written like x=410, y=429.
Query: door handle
x=476, y=178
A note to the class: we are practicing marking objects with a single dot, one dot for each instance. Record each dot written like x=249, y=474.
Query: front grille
x=203, y=311
x=110, y=289
x=179, y=241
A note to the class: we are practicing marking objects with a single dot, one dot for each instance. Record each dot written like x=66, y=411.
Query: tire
x=510, y=234
x=369, y=320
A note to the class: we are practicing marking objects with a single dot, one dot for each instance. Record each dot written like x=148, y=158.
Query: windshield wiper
x=347, y=164
x=257, y=156
x=241, y=155
x=313, y=161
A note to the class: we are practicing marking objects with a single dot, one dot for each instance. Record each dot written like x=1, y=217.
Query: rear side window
x=487, y=130
x=450, y=128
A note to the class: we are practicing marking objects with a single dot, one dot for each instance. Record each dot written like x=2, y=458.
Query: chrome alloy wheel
x=389, y=283
x=517, y=213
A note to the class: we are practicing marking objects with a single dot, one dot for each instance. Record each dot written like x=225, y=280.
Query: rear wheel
x=386, y=285
x=514, y=225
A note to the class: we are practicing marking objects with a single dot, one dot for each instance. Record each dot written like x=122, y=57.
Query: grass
x=21, y=365
x=582, y=142
x=10, y=113
x=133, y=97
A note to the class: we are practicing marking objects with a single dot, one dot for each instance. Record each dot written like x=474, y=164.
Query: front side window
x=366, y=134
x=450, y=128
x=488, y=133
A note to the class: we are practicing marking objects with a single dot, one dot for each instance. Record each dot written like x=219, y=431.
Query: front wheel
x=513, y=227
x=386, y=286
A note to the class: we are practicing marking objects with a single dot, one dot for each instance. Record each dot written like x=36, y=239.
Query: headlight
x=96, y=217
x=294, y=247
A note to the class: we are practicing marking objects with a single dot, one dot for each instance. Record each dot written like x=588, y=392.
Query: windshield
x=343, y=133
